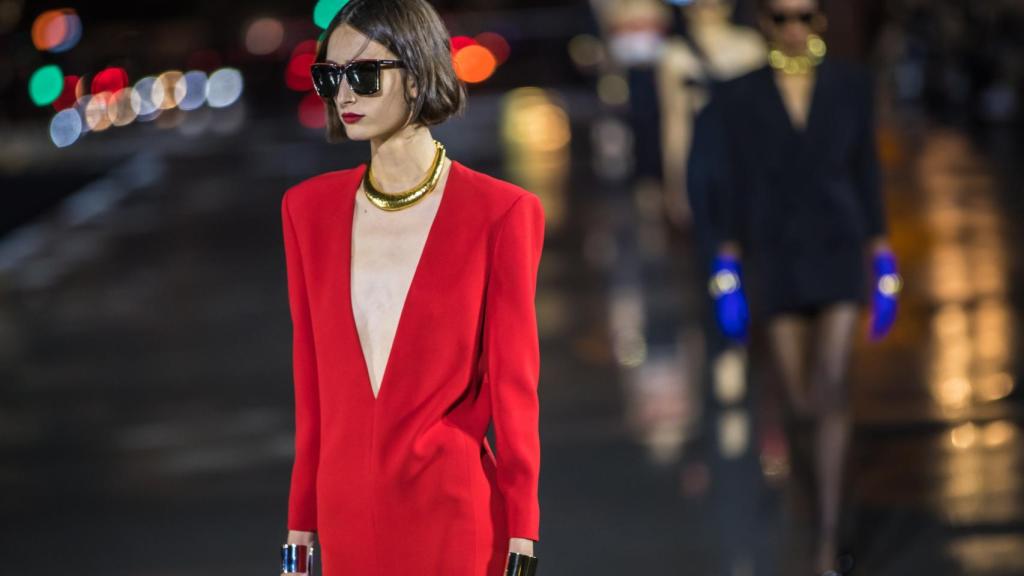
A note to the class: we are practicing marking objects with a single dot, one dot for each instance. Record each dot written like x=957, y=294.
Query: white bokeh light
x=224, y=87
x=142, y=99
x=66, y=127
x=193, y=85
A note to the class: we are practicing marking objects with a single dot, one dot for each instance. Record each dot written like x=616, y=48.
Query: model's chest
x=386, y=250
x=796, y=92
x=386, y=246
x=426, y=267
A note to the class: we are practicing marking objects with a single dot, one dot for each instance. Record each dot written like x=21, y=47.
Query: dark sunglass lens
x=780, y=18
x=325, y=80
x=364, y=77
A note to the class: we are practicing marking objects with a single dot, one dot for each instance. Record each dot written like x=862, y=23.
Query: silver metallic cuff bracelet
x=297, y=559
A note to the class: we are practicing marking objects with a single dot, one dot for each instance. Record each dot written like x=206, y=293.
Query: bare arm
x=676, y=128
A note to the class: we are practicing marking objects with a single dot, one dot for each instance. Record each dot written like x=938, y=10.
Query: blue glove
x=888, y=284
x=730, y=302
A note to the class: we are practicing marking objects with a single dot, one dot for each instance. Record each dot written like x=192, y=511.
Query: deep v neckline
x=812, y=106
x=410, y=293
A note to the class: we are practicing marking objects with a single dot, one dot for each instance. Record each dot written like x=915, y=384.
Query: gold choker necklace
x=803, y=63
x=392, y=202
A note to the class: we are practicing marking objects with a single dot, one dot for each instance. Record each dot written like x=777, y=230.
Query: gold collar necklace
x=803, y=63
x=392, y=202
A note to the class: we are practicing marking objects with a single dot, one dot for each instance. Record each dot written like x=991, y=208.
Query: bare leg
x=833, y=342
x=788, y=337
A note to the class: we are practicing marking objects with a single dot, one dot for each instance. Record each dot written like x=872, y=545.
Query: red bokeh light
x=109, y=80
x=297, y=75
x=312, y=111
x=496, y=43
x=72, y=91
x=460, y=42
x=305, y=47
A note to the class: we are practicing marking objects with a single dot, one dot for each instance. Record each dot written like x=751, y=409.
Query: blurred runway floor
x=147, y=404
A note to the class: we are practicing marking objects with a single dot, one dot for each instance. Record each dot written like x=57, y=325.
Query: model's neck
x=401, y=160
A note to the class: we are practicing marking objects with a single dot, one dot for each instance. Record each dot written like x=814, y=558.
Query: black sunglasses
x=780, y=18
x=362, y=75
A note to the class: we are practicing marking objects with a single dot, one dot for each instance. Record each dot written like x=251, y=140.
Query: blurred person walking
x=634, y=32
x=785, y=165
x=411, y=283
x=706, y=47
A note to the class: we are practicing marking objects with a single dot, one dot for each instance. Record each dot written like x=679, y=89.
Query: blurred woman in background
x=707, y=48
x=794, y=179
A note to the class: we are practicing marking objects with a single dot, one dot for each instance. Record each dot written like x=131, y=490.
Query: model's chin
x=795, y=44
x=356, y=136
x=364, y=130
x=357, y=133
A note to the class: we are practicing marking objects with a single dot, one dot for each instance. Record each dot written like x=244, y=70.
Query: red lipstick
x=350, y=118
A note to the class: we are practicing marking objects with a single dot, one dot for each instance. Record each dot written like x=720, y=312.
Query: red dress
x=406, y=483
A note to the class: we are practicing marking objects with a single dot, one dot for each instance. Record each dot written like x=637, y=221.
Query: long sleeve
x=867, y=170
x=302, y=497
x=713, y=164
x=709, y=181
x=512, y=360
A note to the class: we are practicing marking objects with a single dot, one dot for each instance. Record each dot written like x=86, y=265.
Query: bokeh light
x=166, y=93
x=460, y=42
x=586, y=51
x=119, y=107
x=56, y=30
x=224, y=87
x=72, y=32
x=81, y=105
x=110, y=80
x=48, y=29
x=46, y=85
x=539, y=123
x=72, y=91
x=296, y=75
x=96, y=116
x=326, y=10
x=65, y=127
x=613, y=89
x=535, y=135
x=264, y=36
x=311, y=111
x=193, y=84
x=305, y=47
x=142, y=99
x=497, y=45
x=474, y=64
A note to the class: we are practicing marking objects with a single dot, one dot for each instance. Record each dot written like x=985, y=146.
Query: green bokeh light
x=326, y=10
x=45, y=85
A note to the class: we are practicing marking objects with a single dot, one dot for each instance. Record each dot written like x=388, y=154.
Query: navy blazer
x=801, y=202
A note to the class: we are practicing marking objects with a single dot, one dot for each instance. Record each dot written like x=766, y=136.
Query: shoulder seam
x=503, y=220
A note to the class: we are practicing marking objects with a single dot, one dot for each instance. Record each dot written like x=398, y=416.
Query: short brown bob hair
x=413, y=31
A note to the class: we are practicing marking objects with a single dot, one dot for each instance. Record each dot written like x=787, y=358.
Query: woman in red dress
x=411, y=284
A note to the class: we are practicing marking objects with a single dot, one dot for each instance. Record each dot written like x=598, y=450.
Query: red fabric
x=406, y=483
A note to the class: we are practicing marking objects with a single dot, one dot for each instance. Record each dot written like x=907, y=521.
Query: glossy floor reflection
x=146, y=404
